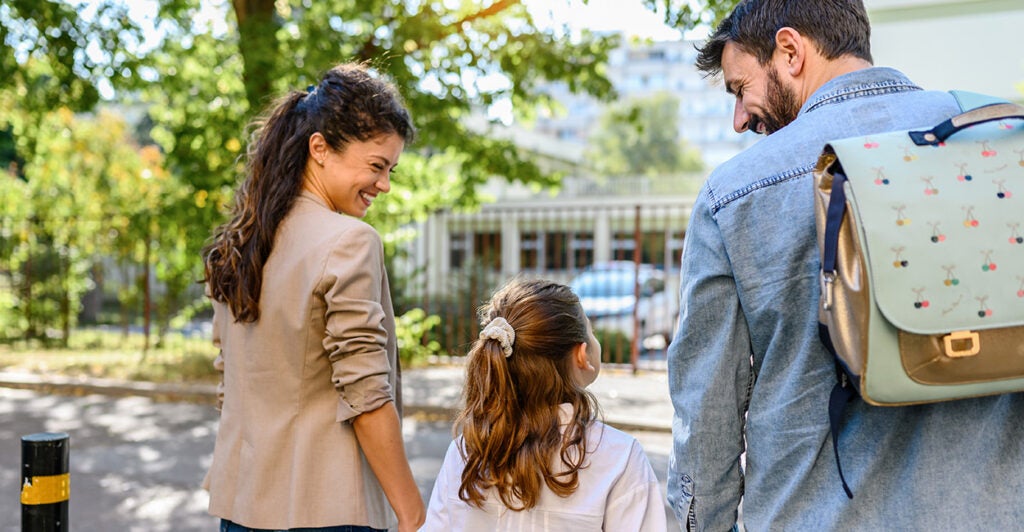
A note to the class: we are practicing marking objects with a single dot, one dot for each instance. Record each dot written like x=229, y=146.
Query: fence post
x=45, y=482
x=638, y=250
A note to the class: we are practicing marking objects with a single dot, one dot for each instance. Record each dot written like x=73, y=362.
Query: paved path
x=629, y=401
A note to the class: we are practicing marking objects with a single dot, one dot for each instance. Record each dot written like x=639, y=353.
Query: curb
x=207, y=394
x=61, y=385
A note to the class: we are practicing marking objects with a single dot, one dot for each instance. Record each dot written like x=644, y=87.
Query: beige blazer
x=322, y=352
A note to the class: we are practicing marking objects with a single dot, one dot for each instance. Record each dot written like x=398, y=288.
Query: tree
x=437, y=56
x=87, y=186
x=641, y=137
x=691, y=14
x=202, y=83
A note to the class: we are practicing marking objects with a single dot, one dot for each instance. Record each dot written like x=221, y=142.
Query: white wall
x=972, y=45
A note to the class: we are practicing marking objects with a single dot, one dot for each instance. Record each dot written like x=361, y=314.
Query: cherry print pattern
x=880, y=177
x=951, y=279
x=901, y=217
x=1015, y=236
x=937, y=235
x=920, y=301
x=963, y=176
x=1002, y=192
x=986, y=151
x=988, y=265
x=898, y=261
x=929, y=188
x=983, y=310
x=969, y=219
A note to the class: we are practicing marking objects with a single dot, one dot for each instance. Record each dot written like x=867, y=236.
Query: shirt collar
x=858, y=82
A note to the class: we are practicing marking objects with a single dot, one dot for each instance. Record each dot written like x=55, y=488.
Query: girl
x=531, y=455
x=309, y=433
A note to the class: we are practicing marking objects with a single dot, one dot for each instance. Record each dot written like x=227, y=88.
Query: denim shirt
x=747, y=372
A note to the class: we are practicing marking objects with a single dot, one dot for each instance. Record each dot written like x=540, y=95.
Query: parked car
x=608, y=293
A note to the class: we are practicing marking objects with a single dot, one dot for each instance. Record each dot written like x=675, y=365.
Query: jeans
x=228, y=526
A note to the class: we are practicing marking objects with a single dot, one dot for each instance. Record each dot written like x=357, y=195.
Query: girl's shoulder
x=605, y=439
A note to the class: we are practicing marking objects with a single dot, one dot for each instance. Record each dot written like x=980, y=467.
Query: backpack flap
x=941, y=235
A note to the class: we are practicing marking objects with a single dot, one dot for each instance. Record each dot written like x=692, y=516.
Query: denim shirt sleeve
x=710, y=375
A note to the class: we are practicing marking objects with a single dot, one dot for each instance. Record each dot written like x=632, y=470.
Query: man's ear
x=791, y=49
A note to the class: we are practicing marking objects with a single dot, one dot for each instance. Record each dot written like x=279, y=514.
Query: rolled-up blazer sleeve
x=356, y=337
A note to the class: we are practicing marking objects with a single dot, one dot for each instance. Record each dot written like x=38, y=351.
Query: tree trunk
x=257, y=28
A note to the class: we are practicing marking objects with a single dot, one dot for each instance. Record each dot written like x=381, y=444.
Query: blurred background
x=562, y=139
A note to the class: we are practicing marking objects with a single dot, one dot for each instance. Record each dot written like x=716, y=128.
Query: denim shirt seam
x=871, y=89
x=793, y=173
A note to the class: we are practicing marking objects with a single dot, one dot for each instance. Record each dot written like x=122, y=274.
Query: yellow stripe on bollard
x=46, y=490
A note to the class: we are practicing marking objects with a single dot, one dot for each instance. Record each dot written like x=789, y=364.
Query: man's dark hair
x=837, y=27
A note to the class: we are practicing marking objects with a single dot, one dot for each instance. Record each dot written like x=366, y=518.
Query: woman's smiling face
x=350, y=179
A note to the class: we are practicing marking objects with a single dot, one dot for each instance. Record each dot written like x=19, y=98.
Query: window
x=457, y=245
x=487, y=250
x=675, y=247
x=652, y=247
x=623, y=245
x=581, y=246
x=555, y=251
x=530, y=246
x=484, y=248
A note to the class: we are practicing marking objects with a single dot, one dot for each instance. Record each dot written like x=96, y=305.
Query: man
x=747, y=371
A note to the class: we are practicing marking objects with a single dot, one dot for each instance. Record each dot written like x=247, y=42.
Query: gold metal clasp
x=962, y=344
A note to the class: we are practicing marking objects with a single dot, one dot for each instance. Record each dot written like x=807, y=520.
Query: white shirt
x=617, y=492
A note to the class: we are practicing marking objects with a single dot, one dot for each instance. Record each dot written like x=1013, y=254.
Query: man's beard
x=781, y=105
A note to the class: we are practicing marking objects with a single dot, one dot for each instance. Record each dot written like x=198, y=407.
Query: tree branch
x=494, y=9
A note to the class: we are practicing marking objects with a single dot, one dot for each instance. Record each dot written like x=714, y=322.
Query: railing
x=460, y=259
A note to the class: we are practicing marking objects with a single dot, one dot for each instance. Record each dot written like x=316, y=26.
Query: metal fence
x=621, y=257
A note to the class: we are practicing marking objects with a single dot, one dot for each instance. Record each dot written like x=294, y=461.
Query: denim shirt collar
x=858, y=83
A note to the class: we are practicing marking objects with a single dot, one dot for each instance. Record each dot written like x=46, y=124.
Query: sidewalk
x=628, y=402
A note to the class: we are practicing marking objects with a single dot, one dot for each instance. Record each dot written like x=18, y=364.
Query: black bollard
x=45, y=482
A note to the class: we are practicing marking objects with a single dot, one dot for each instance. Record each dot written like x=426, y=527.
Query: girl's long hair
x=348, y=105
x=510, y=422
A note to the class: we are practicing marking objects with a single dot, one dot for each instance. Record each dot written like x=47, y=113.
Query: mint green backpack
x=921, y=234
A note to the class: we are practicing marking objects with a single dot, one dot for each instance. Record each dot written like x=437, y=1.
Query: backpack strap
x=843, y=391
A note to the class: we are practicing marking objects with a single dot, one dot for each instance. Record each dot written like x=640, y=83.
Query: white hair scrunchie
x=500, y=330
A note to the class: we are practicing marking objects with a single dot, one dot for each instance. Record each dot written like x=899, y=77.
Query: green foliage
x=90, y=193
x=43, y=57
x=641, y=137
x=412, y=330
x=615, y=346
x=108, y=354
x=690, y=14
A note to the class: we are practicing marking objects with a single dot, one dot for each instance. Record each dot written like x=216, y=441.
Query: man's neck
x=822, y=70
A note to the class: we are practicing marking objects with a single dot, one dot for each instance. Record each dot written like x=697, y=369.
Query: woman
x=310, y=431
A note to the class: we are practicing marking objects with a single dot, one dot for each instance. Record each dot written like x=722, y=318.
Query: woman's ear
x=318, y=148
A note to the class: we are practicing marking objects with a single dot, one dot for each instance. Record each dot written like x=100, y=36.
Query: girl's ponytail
x=518, y=373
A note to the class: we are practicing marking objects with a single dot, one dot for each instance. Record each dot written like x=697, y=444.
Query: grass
x=106, y=354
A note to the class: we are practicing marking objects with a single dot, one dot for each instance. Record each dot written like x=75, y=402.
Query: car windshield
x=604, y=284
